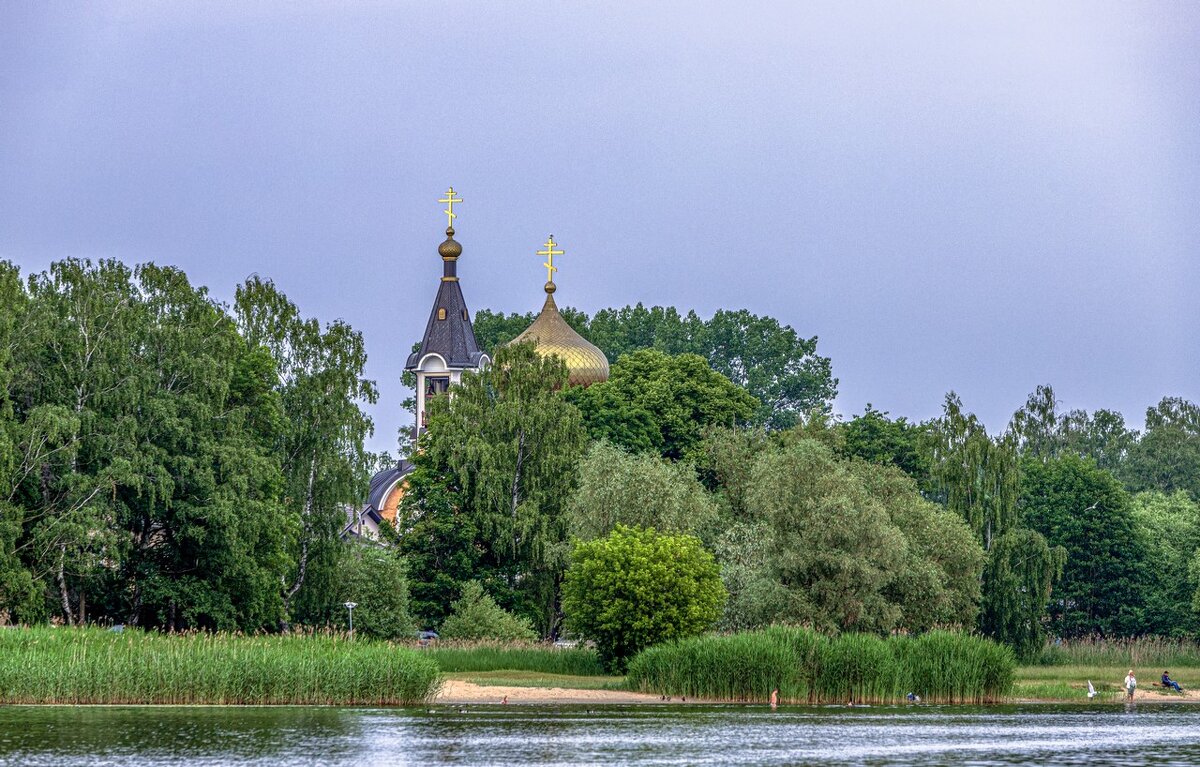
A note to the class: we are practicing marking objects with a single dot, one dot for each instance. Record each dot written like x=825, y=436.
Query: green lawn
x=1070, y=682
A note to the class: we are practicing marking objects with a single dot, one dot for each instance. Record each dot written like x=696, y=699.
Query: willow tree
x=509, y=446
x=978, y=477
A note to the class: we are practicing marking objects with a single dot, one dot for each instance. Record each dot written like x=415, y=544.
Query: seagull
x=1091, y=690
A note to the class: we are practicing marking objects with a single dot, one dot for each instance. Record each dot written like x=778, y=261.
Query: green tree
x=323, y=428
x=144, y=452
x=779, y=368
x=682, y=395
x=978, y=478
x=1167, y=457
x=374, y=579
x=854, y=546
x=475, y=615
x=438, y=540
x=878, y=439
x=509, y=444
x=1083, y=508
x=1170, y=527
x=635, y=588
x=1018, y=577
x=616, y=487
x=1042, y=432
x=18, y=595
x=727, y=458
x=938, y=583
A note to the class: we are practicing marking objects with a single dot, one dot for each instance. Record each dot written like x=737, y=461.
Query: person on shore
x=775, y=698
x=1170, y=683
x=1130, y=685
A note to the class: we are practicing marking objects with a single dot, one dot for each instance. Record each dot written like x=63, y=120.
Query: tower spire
x=450, y=250
x=550, y=253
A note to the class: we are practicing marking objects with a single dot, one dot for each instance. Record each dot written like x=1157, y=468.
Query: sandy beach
x=456, y=691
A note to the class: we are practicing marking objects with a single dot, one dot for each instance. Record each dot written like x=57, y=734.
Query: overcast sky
x=971, y=196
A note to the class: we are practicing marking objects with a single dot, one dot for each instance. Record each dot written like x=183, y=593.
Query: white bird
x=1091, y=690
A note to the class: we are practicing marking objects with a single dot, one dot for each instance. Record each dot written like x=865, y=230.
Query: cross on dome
x=449, y=201
x=550, y=253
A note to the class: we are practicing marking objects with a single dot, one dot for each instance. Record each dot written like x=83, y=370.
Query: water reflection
x=574, y=735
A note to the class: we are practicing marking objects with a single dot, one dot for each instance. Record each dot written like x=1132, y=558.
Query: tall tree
x=1170, y=527
x=1042, y=432
x=324, y=463
x=978, y=477
x=509, y=444
x=682, y=396
x=18, y=594
x=771, y=361
x=1167, y=458
x=854, y=547
x=1083, y=508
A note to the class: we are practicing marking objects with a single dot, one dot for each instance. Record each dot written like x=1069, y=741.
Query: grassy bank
x=508, y=656
x=811, y=668
x=72, y=666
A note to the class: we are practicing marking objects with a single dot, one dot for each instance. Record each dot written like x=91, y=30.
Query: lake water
x=610, y=735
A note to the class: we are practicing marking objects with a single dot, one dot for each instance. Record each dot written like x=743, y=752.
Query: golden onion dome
x=586, y=364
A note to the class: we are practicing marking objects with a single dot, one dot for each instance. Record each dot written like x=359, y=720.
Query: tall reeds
x=79, y=666
x=1142, y=651
x=516, y=656
x=808, y=667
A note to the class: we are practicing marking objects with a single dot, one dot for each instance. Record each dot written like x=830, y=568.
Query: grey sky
x=978, y=197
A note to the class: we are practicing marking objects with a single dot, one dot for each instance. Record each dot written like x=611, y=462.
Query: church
x=449, y=349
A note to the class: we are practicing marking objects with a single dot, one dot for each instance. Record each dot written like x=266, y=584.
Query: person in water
x=1167, y=681
x=1130, y=685
x=775, y=698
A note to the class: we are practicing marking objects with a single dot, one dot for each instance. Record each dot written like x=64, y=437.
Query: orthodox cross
x=449, y=201
x=550, y=253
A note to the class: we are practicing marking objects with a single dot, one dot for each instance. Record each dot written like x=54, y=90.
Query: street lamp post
x=350, y=609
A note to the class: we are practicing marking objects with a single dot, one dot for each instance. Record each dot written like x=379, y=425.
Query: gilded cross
x=550, y=253
x=449, y=201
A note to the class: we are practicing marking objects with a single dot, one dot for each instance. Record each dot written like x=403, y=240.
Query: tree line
x=1067, y=523
x=170, y=461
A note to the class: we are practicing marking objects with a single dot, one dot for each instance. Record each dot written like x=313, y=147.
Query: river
x=608, y=735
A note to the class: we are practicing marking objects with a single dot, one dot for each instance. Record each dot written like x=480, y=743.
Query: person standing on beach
x=1130, y=685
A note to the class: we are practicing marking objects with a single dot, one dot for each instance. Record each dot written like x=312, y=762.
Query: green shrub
x=373, y=578
x=475, y=615
x=635, y=588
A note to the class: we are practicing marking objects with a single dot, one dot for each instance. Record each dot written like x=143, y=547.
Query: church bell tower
x=448, y=346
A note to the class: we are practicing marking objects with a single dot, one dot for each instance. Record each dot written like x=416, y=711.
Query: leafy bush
x=475, y=615
x=373, y=578
x=636, y=588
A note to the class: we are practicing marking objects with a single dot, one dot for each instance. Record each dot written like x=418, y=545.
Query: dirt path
x=456, y=691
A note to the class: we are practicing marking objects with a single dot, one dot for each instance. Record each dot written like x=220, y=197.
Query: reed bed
x=1142, y=651
x=83, y=666
x=808, y=667
x=516, y=656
